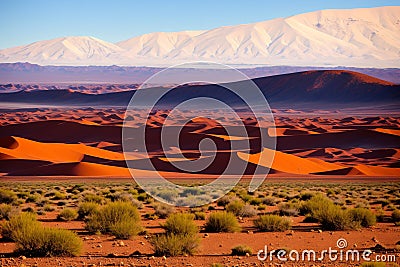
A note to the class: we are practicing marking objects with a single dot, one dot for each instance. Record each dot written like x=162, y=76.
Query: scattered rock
x=137, y=253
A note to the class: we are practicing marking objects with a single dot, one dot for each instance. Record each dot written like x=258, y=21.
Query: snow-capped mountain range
x=367, y=37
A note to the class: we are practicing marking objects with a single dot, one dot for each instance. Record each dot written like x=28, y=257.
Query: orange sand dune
x=288, y=163
x=74, y=169
x=231, y=138
x=22, y=148
x=388, y=131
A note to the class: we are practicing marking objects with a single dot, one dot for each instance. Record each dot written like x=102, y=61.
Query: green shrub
x=90, y=197
x=67, y=214
x=306, y=196
x=174, y=245
x=59, y=196
x=118, y=218
x=60, y=242
x=181, y=223
x=125, y=229
x=5, y=211
x=222, y=221
x=288, y=209
x=225, y=200
x=331, y=216
x=269, y=201
x=7, y=196
x=396, y=216
x=17, y=224
x=199, y=215
x=334, y=218
x=163, y=210
x=315, y=204
x=272, y=223
x=32, y=239
x=239, y=208
x=363, y=217
x=127, y=198
x=87, y=209
x=48, y=207
x=241, y=250
x=48, y=242
x=248, y=211
x=33, y=198
x=235, y=207
x=256, y=201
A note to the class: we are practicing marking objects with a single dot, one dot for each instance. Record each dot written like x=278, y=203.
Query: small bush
x=199, y=215
x=396, y=216
x=181, y=223
x=163, y=210
x=61, y=242
x=18, y=223
x=241, y=250
x=241, y=209
x=331, y=216
x=7, y=196
x=288, y=209
x=269, y=201
x=334, y=218
x=235, y=207
x=124, y=229
x=59, y=196
x=5, y=211
x=127, y=198
x=222, y=221
x=48, y=207
x=67, y=214
x=248, y=211
x=90, y=197
x=225, y=200
x=118, y=218
x=315, y=204
x=174, y=245
x=87, y=209
x=272, y=223
x=33, y=239
x=306, y=196
x=363, y=217
x=33, y=198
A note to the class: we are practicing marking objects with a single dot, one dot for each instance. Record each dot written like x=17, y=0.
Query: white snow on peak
x=365, y=37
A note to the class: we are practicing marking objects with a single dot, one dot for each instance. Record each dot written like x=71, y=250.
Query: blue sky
x=27, y=21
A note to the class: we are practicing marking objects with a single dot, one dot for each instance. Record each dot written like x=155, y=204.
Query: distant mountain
x=66, y=76
x=367, y=37
x=311, y=88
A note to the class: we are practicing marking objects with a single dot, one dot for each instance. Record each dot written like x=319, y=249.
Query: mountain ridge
x=315, y=87
x=339, y=37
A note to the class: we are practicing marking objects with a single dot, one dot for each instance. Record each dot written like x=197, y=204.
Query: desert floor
x=105, y=250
